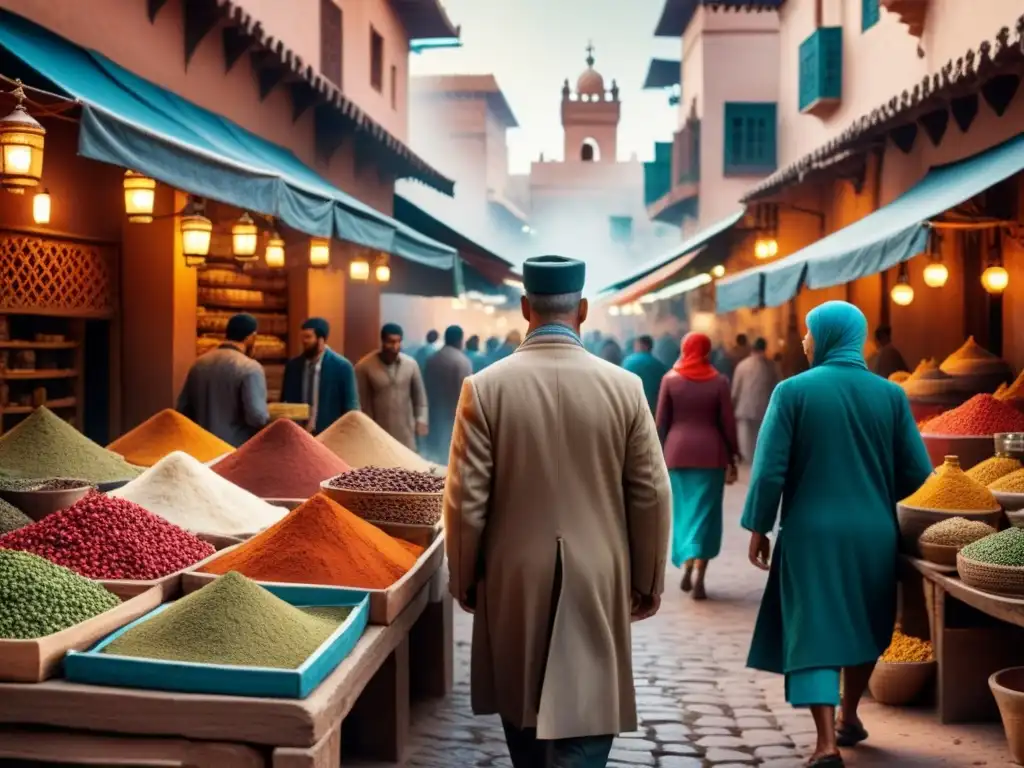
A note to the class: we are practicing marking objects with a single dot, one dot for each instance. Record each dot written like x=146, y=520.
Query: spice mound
x=949, y=487
x=1003, y=548
x=283, y=461
x=53, y=484
x=38, y=598
x=101, y=537
x=45, y=446
x=164, y=433
x=189, y=494
x=1014, y=391
x=360, y=442
x=981, y=415
x=388, y=480
x=231, y=621
x=972, y=358
x=899, y=377
x=956, y=532
x=1011, y=483
x=12, y=518
x=905, y=649
x=321, y=542
x=990, y=470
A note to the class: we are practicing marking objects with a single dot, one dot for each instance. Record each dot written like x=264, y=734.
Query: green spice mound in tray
x=12, y=518
x=38, y=598
x=1003, y=548
x=45, y=446
x=231, y=621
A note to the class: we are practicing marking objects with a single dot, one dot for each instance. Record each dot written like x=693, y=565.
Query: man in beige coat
x=557, y=511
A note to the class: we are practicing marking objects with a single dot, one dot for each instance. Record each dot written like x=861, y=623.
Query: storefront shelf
x=38, y=345
x=64, y=402
x=56, y=373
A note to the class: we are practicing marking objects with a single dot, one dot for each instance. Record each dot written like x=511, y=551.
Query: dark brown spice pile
x=387, y=480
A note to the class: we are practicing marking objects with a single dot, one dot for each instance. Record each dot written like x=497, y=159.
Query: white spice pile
x=189, y=494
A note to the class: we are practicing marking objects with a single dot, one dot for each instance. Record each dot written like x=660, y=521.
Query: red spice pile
x=981, y=415
x=101, y=537
x=282, y=462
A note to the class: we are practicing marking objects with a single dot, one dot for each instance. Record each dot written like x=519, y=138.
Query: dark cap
x=319, y=326
x=241, y=326
x=552, y=275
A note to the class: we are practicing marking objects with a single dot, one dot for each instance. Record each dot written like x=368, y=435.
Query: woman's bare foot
x=687, y=583
x=698, y=590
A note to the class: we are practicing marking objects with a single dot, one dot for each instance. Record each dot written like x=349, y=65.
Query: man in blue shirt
x=645, y=365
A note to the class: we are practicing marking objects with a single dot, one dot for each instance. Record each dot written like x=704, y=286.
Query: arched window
x=590, y=152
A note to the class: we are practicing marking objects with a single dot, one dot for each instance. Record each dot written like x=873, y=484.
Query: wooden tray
x=385, y=604
x=33, y=661
x=169, y=585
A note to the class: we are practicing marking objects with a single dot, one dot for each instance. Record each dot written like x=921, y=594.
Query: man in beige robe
x=391, y=390
x=557, y=509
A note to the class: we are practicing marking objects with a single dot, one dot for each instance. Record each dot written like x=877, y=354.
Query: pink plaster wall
x=879, y=63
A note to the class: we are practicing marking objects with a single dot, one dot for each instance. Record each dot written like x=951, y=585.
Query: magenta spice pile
x=101, y=537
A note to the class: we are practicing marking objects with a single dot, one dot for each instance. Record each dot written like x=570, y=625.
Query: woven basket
x=940, y=554
x=914, y=520
x=897, y=684
x=404, y=508
x=997, y=579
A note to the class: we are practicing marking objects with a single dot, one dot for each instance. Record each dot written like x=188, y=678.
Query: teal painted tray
x=96, y=668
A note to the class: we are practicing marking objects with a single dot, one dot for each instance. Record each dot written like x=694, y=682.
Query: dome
x=590, y=83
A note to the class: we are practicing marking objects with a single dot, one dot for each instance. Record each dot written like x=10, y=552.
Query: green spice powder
x=1003, y=548
x=38, y=598
x=44, y=446
x=12, y=518
x=231, y=621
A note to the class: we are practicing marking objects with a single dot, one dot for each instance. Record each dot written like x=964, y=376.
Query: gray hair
x=554, y=304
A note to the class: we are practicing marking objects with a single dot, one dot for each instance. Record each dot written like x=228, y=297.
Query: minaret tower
x=590, y=117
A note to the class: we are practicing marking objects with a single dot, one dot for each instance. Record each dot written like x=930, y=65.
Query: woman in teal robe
x=838, y=448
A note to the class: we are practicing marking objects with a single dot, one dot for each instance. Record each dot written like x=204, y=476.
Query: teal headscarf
x=839, y=330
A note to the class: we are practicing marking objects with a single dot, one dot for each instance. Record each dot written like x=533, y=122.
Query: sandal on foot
x=850, y=735
x=827, y=761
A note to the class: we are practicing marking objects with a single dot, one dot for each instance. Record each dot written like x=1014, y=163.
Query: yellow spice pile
x=905, y=649
x=1011, y=483
x=949, y=487
x=992, y=469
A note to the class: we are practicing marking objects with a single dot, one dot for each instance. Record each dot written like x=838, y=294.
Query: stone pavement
x=699, y=706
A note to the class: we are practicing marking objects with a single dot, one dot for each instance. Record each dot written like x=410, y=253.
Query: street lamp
x=196, y=231
x=319, y=252
x=245, y=237
x=274, y=255
x=139, y=197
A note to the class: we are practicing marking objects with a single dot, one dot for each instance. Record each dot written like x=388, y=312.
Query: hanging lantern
x=21, y=147
x=41, y=207
x=902, y=293
x=274, y=255
x=359, y=269
x=196, y=231
x=995, y=279
x=139, y=197
x=382, y=271
x=765, y=247
x=613, y=310
x=936, y=274
x=245, y=236
x=718, y=271
x=319, y=252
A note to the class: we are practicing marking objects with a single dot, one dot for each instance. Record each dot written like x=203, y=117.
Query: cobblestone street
x=699, y=706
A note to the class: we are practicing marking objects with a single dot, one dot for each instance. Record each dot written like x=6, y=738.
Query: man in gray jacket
x=753, y=382
x=226, y=390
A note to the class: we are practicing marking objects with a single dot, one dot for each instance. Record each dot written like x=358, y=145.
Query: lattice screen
x=42, y=275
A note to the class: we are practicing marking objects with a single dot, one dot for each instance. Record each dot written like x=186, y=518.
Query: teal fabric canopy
x=882, y=240
x=699, y=240
x=132, y=123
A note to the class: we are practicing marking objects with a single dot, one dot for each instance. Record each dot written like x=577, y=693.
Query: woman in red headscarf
x=697, y=428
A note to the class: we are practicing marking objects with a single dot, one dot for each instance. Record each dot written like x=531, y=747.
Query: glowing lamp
x=936, y=274
x=995, y=279
x=139, y=197
x=382, y=272
x=902, y=294
x=319, y=252
x=613, y=310
x=41, y=207
x=245, y=236
x=489, y=309
x=765, y=247
x=196, y=231
x=21, y=147
x=274, y=254
x=718, y=271
x=359, y=269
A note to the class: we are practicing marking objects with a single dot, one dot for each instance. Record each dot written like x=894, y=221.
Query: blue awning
x=132, y=123
x=882, y=240
x=689, y=245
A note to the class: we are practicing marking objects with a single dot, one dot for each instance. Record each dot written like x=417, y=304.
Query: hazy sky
x=531, y=46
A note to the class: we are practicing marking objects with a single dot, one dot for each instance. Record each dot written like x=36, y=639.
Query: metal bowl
x=1010, y=444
